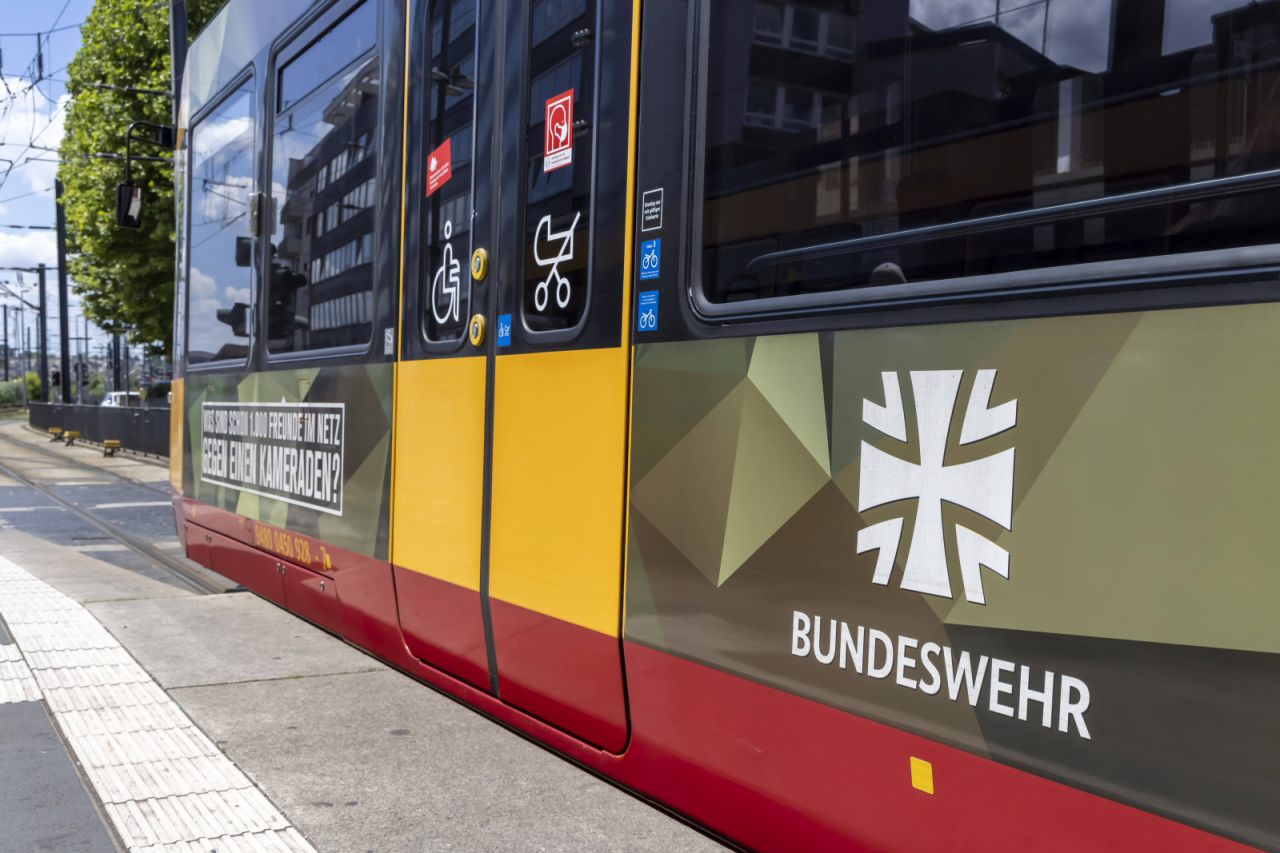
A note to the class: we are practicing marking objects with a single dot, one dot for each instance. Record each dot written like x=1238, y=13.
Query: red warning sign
x=559, y=132
x=439, y=166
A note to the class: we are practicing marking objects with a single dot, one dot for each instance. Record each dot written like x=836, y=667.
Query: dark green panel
x=362, y=394
x=1083, y=499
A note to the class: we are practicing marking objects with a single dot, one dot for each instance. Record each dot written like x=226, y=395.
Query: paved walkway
x=138, y=714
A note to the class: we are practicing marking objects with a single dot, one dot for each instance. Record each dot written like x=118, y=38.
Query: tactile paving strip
x=163, y=783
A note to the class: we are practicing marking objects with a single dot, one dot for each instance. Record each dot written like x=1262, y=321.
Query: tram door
x=513, y=382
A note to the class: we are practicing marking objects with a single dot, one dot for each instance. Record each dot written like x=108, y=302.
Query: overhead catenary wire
x=57, y=20
x=4, y=178
x=33, y=76
x=47, y=189
x=61, y=29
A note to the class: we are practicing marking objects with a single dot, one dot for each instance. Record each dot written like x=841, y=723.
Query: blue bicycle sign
x=647, y=311
x=650, y=259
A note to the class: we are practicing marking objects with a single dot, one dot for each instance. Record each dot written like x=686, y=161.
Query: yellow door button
x=479, y=264
x=475, y=330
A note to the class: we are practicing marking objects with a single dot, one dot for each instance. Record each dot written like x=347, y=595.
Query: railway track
x=84, y=466
x=174, y=565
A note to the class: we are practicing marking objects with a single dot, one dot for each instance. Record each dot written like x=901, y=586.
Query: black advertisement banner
x=292, y=452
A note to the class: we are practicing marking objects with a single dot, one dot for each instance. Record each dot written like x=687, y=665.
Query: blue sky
x=34, y=111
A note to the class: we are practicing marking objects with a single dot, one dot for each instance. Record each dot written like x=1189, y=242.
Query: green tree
x=124, y=276
x=33, y=385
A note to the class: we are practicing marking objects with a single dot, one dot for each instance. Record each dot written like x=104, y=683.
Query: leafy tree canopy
x=124, y=276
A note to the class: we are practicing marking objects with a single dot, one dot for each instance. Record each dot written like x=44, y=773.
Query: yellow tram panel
x=439, y=471
x=177, y=410
x=559, y=462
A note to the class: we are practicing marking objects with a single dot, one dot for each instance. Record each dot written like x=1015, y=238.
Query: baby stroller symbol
x=561, y=243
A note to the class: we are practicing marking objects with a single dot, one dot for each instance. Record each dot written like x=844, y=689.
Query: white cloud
x=202, y=284
x=31, y=119
x=27, y=248
x=941, y=14
x=213, y=135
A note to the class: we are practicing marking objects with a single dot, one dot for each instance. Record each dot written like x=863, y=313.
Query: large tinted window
x=220, y=283
x=324, y=162
x=558, y=163
x=450, y=116
x=842, y=122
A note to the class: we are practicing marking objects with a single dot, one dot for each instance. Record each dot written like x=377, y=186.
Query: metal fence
x=141, y=429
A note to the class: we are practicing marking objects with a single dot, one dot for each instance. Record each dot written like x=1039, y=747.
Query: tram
x=849, y=425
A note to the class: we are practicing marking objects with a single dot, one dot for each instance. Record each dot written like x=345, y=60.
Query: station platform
x=139, y=712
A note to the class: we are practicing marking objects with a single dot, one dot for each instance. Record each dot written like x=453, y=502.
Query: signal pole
x=6, y=343
x=117, y=381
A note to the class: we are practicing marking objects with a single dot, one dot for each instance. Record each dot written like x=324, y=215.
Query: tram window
x=351, y=37
x=324, y=167
x=833, y=122
x=558, y=167
x=450, y=117
x=221, y=173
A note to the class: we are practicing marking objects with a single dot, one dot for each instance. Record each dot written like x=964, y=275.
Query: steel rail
x=175, y=566
x=79, y=464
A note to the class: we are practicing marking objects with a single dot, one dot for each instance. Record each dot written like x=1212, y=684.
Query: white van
x=122, y=398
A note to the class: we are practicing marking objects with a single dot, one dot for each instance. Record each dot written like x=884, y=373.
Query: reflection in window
x=805, y=28
x=558, y=152
x=551, y=16
x=447, y=223
x=352, y=36
x=324, y=166
x=221, y=278
x=914, y=113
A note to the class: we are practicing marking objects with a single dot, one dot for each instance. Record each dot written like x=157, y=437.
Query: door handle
x=255, y=214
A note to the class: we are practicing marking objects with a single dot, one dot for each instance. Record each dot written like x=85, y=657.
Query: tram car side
x=846, y=426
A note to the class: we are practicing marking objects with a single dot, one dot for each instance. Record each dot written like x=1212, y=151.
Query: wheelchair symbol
x=447, y=290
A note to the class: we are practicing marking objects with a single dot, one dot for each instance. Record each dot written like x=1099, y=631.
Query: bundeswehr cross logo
x=984, y=486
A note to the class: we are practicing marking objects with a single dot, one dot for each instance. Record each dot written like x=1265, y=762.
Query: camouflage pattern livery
x=362, y=394
x=1046, y=541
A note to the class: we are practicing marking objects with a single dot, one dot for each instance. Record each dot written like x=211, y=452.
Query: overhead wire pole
x=44, y=337
x=62, y=288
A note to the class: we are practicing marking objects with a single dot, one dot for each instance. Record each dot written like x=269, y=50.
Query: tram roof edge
x=240, y=31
